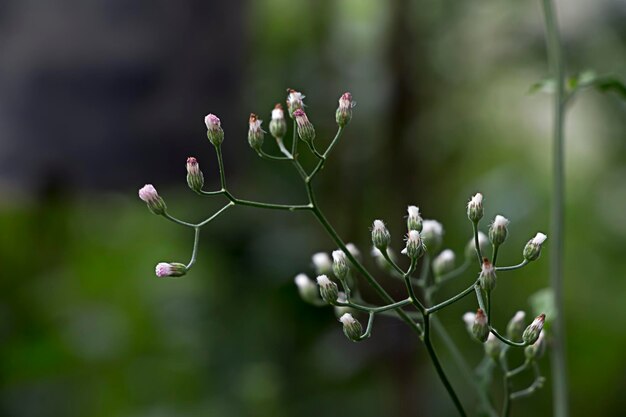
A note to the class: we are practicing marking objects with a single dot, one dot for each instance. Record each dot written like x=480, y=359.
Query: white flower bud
x=483, y=242
x=328, y=289
x=195, y=179
x=380, y=235
x=531, y=334
x=480, y=329
x=322, y=263
x=432, y=234
x=307, y=289
x=173, y=269
x=354, y=251
x=149, y=195
x=468, y=319
x=278, y=125
x=414, y=245
x=516, y=325
x=214, y=129
x=294, y=101
x=351, y=327
x=498, y=230
x=340, y=264
x=344, y=111
x=493, y=347
x=255, y=133
x=487, y=278
x=532, y=250
x=443, y=263
x=475, y=208
x=414, y=219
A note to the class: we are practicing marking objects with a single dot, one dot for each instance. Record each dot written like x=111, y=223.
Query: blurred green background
x=99, y=97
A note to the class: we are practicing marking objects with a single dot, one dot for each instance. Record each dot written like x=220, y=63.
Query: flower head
x=515, y=327
x=294, y=101
x=322, y=263
x=531, y=334
x=149, y=195
x=278, y=125
x=480, y=329
x=328, y=289
x=432, y=233
x=443, y=263
x=174, y=269
x=307, y=289
x=414, y=245
x=475, y=208
x=195, y=179
x=498, y=230
x=214, y=129
x=344, y=111
x=414, y=219
x=255, y=133
x=487, y=278
x=532, y=250
x=380, y=235
x=340, y=264
x=351, y=327
x=306, y=131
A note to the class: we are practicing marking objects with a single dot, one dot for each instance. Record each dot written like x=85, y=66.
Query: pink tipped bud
x=487, y=278
x=294, y=101
x=150, y=196
x=344, y=111
x=480, y=329
x=195, y=179
x=214, y=129
x=255, y=133
x=278, y=125
x=531, y=334
x=174, y=269
x=306, y=131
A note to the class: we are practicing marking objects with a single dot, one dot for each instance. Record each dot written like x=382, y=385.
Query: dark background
x=98, y=97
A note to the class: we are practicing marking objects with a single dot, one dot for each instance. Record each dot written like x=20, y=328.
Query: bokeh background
x=98, y=97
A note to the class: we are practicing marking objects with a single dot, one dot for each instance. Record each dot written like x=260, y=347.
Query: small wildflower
x=278, y=125
x=532, y=250
x=340, y=264
x=480, y=329
x=306, y=131
x=515, y=327
x=432, y=233
x=531, y=334
x=487, y=278
x=328, y=289
x=498, y=230
x=255, y=133
x=174, y=269
x=214, y=129
x=149, y=195
x=380, y=235
x=322, y=263
x=414, y=245
x=344, y=111
x=443, y=263
x=195, y=179
x=475, y=208
x=414, y=220
x=294, y=101
x=307, y=289
x=351, y=327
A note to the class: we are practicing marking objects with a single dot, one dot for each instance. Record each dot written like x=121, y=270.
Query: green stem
x=454, y=273
x=476, y=243
x=194, y=252
x=557, y=68
x=368, y=330
x=512, y=267
x=265, y=155
x=380, y=309
x=505, y=340
x=495, y=254
x=322, y=161
x=452, y=300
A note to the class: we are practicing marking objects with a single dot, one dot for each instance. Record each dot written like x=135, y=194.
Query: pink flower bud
x=255, y=133
x=195, y=178
x=149, y=195
x=306, y=131
x=214, y=129
x=344, y=111
x=294, y=101
x=174, y=269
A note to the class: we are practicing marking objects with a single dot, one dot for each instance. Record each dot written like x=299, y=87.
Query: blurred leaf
x=604, y=84
x=544, y=86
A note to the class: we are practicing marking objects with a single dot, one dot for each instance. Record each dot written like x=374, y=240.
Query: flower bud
x=255, y=133
x=344, y=111
x=328, y=289
x=306, y=131
x=475, y=208
x=322, y=263
x=537, y=349
x=532, y=250
x=498, y=230
x=414, y=245
x=432, y=234
x=307, y=289
x=515, y=328
x=487, y=278
x=493, y=347
x=354, y=251
x=340, y=264
x=214, y=129
x=155, y=203
x=443, y=263
x=278, y=125
x=483, y=242
x=380, y=235
x=294, y=101
x=351, y=327
x=480, y=329
x=414, y=220
x=195, y=179
x=174, y=269
x=468, y=319
x=531, y=334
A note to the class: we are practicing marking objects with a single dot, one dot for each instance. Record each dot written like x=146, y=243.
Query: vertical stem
x=439, y=368
x=559, y=365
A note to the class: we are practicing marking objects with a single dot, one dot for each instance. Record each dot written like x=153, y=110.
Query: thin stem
x=454, y=273
x=479, y=297
x=217, y=213
x=220, y=163
x=380, y=309
x=505, y=340
x=512, y=267
x=537, y=383
x=322, y=161
x=194, y=252
x=495, y=254
x=281, y=146
x=518, y=370
x=557, y=68
x=290, y=207
x=476, y=243
x=368, y=330
x=451, y=300
x=265, y=155
x=392, y=263
x=506, y=405
x=439, y=368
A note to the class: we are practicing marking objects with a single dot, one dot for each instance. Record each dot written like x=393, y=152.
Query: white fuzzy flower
x=148, y=193
x=432, y=233
x=323, y=281
x=322, y=263
x=539, y=238
x=347, y=319
x=302, y=281
x=278, y=113
x=468, y=319
x=500, y=221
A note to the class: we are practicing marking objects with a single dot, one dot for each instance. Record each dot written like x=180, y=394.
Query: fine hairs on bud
x=531, y=334
x=380, y=235
x=307, y=289
x=532, y=250
x=432, y=234
x=305, y=128
x=498, y=230
x=214, y=129
x=414, y=219
x=255, y=133
x=475, y=208
x=278, y=125
x=351, y=327
x=149, y=195
x=328, y=289
x=195, y=179
x=414, y=245
x=322, y=263
x=343, y=115
x=443, y=263
x=173, y=269
x=340, y=264
x=480, y=329
x=487, y=278
x=294, y=101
